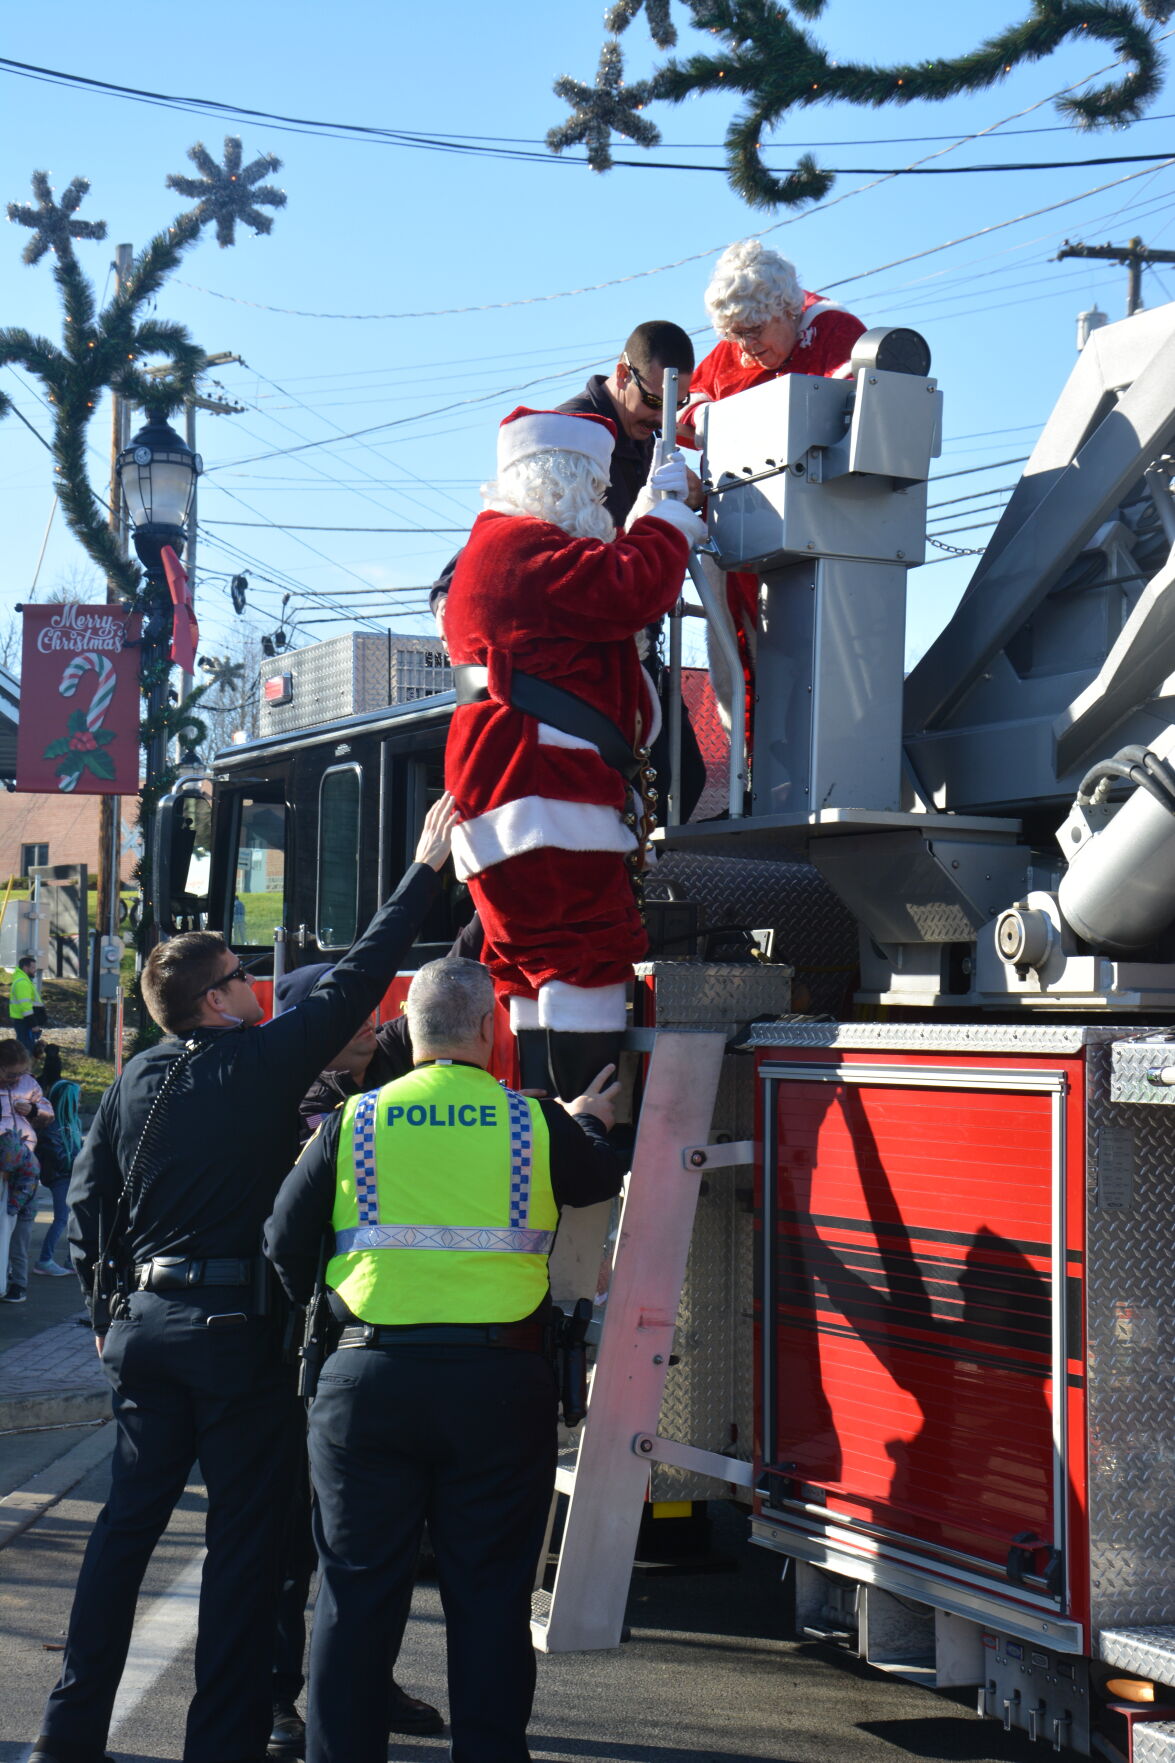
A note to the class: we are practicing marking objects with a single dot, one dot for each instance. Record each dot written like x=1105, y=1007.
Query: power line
x=287, y=526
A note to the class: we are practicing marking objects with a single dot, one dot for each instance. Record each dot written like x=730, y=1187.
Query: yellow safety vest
x=443, y=1210
x=23, y=996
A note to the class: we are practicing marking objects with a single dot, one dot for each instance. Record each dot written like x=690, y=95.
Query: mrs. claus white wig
x=553, y=466
x=750, y=286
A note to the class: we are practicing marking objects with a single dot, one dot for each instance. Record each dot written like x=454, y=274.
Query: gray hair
x=566, y=489
x=750, y=286
x=446, y=1002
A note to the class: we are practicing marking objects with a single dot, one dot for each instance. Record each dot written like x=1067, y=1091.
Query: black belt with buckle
x=525, y=1337
x=168, y=1273
x=563, y=710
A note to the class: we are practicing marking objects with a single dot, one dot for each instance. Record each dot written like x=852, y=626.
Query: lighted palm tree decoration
x=764, y=55
x=105, y=351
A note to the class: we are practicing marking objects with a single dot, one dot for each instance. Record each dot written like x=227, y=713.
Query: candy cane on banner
x=99, y=704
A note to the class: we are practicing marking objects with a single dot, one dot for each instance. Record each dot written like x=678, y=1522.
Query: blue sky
x=384, y=230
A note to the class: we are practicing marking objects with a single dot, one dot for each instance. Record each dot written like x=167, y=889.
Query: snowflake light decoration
x=225, y=193
x=53, y=223
x=661, y=28
x=608, y=105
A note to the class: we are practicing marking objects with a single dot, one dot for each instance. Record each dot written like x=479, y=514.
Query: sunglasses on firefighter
x=651, y=398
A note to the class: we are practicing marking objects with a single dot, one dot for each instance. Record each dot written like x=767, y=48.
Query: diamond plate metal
x=937, y=1037
x=1148, y=1652
x=709, y=1393
x=1130, y=1330
x=345, y=676
x=1132, y=1061
x=813, y=931
x=1154, y=1741
x=689, y=993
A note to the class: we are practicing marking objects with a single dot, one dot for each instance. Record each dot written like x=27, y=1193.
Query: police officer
x=204, y=1126
x=443, y=1192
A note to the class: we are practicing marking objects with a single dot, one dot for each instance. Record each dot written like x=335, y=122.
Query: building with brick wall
x=58, y=829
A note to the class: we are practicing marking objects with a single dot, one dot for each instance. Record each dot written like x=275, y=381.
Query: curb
x=21, y=1509
x=60, y=1408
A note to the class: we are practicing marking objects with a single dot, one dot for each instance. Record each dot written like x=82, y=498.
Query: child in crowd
x=22, y=1107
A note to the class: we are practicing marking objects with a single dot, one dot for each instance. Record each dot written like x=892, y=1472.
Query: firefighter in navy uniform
x=443, y=1192
x=172, y=1187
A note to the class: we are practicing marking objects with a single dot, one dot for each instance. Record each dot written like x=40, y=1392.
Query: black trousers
x=299, y=1563
x=462, y=1436
x=184, y=1392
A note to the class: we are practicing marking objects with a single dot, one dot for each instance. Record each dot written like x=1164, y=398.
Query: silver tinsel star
x=620, y=16
x=602, y=108
x=54, y=227
x=226, y=193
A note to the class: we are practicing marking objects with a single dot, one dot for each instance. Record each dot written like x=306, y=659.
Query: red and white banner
x=79, y=701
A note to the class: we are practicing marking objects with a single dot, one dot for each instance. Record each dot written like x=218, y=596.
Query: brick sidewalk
x=58, y=1359
x=49, y=1371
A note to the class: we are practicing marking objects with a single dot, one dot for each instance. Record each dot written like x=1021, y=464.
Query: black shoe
x=410, y=1715
x=288, y=1738
x=17, y=1295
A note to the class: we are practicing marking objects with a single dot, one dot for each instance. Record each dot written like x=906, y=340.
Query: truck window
x=339, y=800
x=259, y=891
x=452, y=910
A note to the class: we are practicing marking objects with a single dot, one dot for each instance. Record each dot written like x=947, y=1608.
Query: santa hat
x=555, y=431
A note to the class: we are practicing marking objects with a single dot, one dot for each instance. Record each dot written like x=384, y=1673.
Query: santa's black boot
x=578, y=1058
x=534, y=1072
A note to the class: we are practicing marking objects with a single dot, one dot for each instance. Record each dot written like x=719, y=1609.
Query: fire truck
x=895, y=1263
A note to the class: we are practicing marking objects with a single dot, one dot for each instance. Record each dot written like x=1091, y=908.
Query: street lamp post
x=157, y=472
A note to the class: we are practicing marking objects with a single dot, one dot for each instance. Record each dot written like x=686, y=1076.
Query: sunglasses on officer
x=652, y=399
x=240, y=971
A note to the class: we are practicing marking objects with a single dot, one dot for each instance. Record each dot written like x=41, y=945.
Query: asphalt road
x=707, y=1674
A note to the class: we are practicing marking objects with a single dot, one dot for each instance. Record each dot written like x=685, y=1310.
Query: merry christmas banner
x=79, y=701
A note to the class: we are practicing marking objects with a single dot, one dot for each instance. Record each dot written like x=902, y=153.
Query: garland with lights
x=770, y=59
x=101, y=352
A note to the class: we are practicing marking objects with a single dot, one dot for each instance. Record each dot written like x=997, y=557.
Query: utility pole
x=106, y=916
x=1134, y=255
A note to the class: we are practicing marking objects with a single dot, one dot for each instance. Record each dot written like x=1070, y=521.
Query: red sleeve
x=600, y=592
x=520, y=579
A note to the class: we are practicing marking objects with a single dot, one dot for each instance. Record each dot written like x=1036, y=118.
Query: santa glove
x=683, y=518
x=670, y=478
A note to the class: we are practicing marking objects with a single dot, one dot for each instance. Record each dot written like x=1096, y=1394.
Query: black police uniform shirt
x=584, y=1170
x=229, y=1132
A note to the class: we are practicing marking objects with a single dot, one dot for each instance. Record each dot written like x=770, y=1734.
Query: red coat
x=527, y=595
x=825, y=343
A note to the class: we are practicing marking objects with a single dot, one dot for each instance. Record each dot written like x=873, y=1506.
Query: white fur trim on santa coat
x=557, y=737
x=676, y=514
x=533, y=823
x=524, y=1013
x=582, y=1009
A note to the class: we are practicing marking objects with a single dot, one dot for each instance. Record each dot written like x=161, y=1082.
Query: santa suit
x=542, y=841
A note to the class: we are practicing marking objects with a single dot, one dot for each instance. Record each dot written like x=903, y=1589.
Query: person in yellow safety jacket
x=23, y=1000
x=443, y=1192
